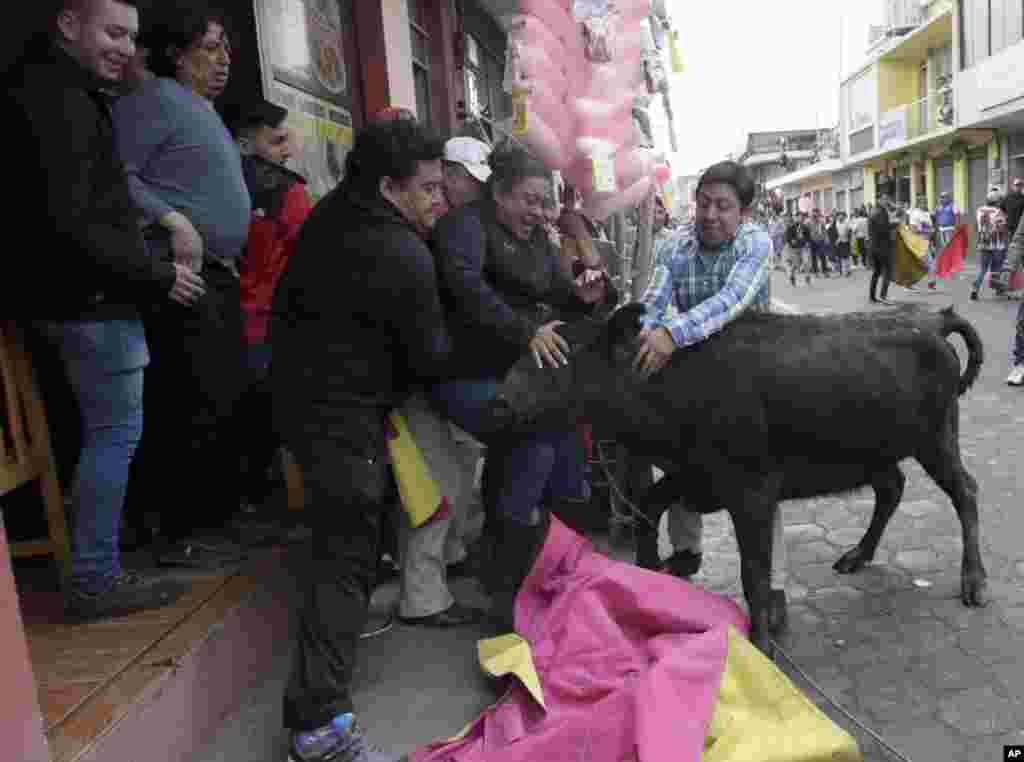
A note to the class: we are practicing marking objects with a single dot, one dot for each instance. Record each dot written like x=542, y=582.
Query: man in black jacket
x=82, y=275
x=357, y=324
x=1013, y=204
x=883, y=253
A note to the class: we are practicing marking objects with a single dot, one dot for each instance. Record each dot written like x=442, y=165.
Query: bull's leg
x=944, y=464
x=652, y=504
x=888, y=484
x=752, y=518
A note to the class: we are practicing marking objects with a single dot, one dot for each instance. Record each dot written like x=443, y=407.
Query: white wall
x=992, y=88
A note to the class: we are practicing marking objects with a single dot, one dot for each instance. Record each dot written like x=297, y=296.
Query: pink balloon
x=534, y=31
x=601, y=208
x=633, y=165
x=556, y=16
x=536, y=65
x=662, y=173
x=543, y=141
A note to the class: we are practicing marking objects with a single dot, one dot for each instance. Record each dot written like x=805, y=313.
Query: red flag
x=951, y=259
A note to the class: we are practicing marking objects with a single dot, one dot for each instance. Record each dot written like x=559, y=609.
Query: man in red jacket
x=280, y=206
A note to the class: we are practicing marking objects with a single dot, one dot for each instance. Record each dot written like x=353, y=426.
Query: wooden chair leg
x=294, y=483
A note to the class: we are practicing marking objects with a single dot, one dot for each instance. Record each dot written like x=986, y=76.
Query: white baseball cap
x=471, y=154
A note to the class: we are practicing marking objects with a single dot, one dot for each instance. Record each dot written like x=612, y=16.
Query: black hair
x=243, y=120
x=390, y=149
x=179, y=26
x=733, y=174
x=510, y=165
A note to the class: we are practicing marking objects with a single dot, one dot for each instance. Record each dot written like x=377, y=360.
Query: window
x=862, y=94
x=485, y=96
x=988, y=27
x=420, y=40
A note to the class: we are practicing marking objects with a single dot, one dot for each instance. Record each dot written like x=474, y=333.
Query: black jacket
x=80, y=254
x=357, y=321
x=1013, y=205
x=498, y=289
x=797, y=235
x=880, y=229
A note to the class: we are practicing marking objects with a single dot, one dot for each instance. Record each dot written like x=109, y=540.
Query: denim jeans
x=522, y=471
x=104, y=362
x=989, y=261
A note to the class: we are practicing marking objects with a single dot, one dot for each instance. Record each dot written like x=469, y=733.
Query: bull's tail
x=954, y=323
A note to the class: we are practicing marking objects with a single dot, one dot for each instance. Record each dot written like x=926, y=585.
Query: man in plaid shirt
x=706, y=276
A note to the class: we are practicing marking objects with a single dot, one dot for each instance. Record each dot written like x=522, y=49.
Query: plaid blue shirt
x=695, y=294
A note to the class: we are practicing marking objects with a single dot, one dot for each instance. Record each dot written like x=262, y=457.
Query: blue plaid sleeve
x=659, y=294
x=747, y=277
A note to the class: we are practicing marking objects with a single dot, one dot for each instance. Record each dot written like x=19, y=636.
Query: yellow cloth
x=421, y=497
x=911, y=258
x=762, y=717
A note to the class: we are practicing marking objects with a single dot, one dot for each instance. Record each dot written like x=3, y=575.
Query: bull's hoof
x=852, y=561
x=974, y=592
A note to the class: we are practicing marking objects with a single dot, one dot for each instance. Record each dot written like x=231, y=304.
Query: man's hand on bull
x=548, y=347
x=656, y=348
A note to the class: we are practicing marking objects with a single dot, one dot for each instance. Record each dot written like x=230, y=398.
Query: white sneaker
x=1016, y=377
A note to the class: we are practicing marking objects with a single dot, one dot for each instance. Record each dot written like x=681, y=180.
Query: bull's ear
x=624, y=325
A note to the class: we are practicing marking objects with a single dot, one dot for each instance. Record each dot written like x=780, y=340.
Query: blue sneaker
x=341, y=741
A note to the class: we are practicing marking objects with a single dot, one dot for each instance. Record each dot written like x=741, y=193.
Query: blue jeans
x=104, y=362
x=522, y=470
x=990, y=261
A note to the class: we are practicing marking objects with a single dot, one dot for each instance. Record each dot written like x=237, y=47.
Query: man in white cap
x=466, y=170
x=437, y=551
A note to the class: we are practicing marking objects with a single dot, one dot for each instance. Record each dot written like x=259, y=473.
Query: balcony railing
x=931, y=114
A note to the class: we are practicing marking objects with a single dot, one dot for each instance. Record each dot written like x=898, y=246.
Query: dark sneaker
x=201, y=554
x=129, y=592
x=377, y=624
x=341, y=741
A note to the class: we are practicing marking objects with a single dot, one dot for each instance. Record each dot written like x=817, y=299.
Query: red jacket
x=280, y=206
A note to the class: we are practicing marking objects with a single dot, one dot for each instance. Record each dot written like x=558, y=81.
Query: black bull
x=775, y=407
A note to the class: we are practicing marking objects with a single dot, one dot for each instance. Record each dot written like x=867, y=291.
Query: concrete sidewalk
x=892, y=645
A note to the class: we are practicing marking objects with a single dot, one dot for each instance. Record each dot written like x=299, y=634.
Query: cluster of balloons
x=580, y=111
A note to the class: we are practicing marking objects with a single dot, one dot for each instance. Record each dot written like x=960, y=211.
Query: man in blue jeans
x=87, y=271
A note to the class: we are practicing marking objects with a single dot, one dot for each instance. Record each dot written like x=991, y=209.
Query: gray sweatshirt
x=179, y=156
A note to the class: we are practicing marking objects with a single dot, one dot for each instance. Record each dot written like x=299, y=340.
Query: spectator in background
x=797, y=241
x=280, y=207
x=818, y=240
x=842, y=228
x=947, y=217
x=860, y=238
x=993, y=240
x=357, y=326
x=883, y=251
x=1013, y=204
x=185, y=173
x=1015, y=264
x=83, y=277
x=465, y=170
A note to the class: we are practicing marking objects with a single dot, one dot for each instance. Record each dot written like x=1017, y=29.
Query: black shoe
x=455, y=615
x=792, y=279
x=684, y=564
x=974, y=296
x=202, y=553
x=129, y=592
x=377, y=624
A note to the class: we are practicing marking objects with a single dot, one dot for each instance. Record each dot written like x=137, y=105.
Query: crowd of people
x=203, y=294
